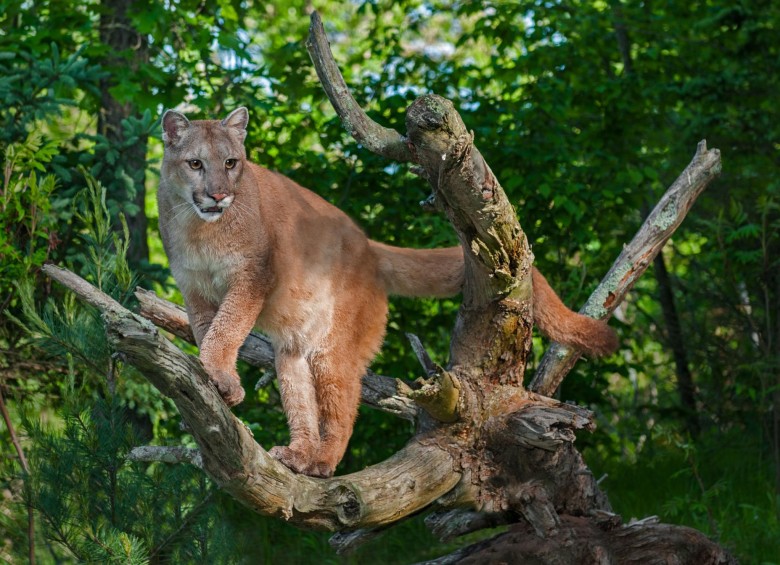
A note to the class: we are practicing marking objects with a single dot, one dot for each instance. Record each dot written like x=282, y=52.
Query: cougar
x=250, y=248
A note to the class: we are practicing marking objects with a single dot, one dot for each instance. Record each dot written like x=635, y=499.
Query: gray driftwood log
x=490, y=452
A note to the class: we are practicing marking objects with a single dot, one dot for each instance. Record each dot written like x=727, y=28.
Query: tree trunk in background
x=674, y=336
x=119, y=35
x=775, y=354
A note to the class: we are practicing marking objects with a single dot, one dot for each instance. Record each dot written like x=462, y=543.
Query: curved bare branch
x=377, y=139
x=166, y=454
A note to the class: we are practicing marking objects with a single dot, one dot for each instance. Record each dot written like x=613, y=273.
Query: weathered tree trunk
x=490, y=452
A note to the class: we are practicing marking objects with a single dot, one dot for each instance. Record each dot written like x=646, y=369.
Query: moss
x=435, y=104
x=595, y=306
x=667, y=216
x=522, y=290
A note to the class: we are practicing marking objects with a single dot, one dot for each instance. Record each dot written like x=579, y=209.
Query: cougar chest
x=206, y=271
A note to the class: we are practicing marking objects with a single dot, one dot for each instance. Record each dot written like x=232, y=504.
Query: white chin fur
x=209, y=216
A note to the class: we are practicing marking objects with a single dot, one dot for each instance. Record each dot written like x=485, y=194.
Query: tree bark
x=674, y=336
x=583, y=541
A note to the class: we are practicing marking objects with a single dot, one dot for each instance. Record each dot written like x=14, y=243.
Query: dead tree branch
x=377, y=139
x=659, y=226
x=491, y=339
x=402, y=485
x=166, y=454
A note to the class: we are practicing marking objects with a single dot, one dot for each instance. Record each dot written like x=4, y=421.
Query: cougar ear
x=173, y=124
x=237, y=120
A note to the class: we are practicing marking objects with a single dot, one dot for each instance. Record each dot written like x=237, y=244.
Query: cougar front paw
x=320, y=469
x=301, y=462
x=228, y=385
x=294, y=459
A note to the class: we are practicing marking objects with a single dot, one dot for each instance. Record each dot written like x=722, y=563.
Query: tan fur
x=251, y=248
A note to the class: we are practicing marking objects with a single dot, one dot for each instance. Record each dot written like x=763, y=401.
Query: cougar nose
x=219, y=196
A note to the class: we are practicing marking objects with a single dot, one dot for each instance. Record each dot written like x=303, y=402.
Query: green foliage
x=68, y=328
x=108, y=160
x=98, y=507
x=28, y=224
x=584, y=134
x=36, y=81
x=719, y=485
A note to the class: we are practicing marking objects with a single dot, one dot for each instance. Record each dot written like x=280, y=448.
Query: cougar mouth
x=210, y=213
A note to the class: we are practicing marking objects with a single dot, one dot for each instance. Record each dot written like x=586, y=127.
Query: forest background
x=585, y=110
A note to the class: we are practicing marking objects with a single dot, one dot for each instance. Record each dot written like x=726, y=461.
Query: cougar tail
x=560, y=324
x=439, y=273
x=435, y=273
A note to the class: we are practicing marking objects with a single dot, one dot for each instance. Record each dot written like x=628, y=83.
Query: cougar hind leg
x=338, y=372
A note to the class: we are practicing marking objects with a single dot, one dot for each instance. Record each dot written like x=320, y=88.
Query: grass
x=723, y=486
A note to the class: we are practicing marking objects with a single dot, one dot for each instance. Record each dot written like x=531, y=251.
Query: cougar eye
x=230, y=163
x=195, y=164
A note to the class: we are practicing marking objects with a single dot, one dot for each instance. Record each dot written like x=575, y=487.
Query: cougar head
x=204, y=159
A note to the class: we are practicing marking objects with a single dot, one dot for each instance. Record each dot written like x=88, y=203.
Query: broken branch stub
x=472, y=198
